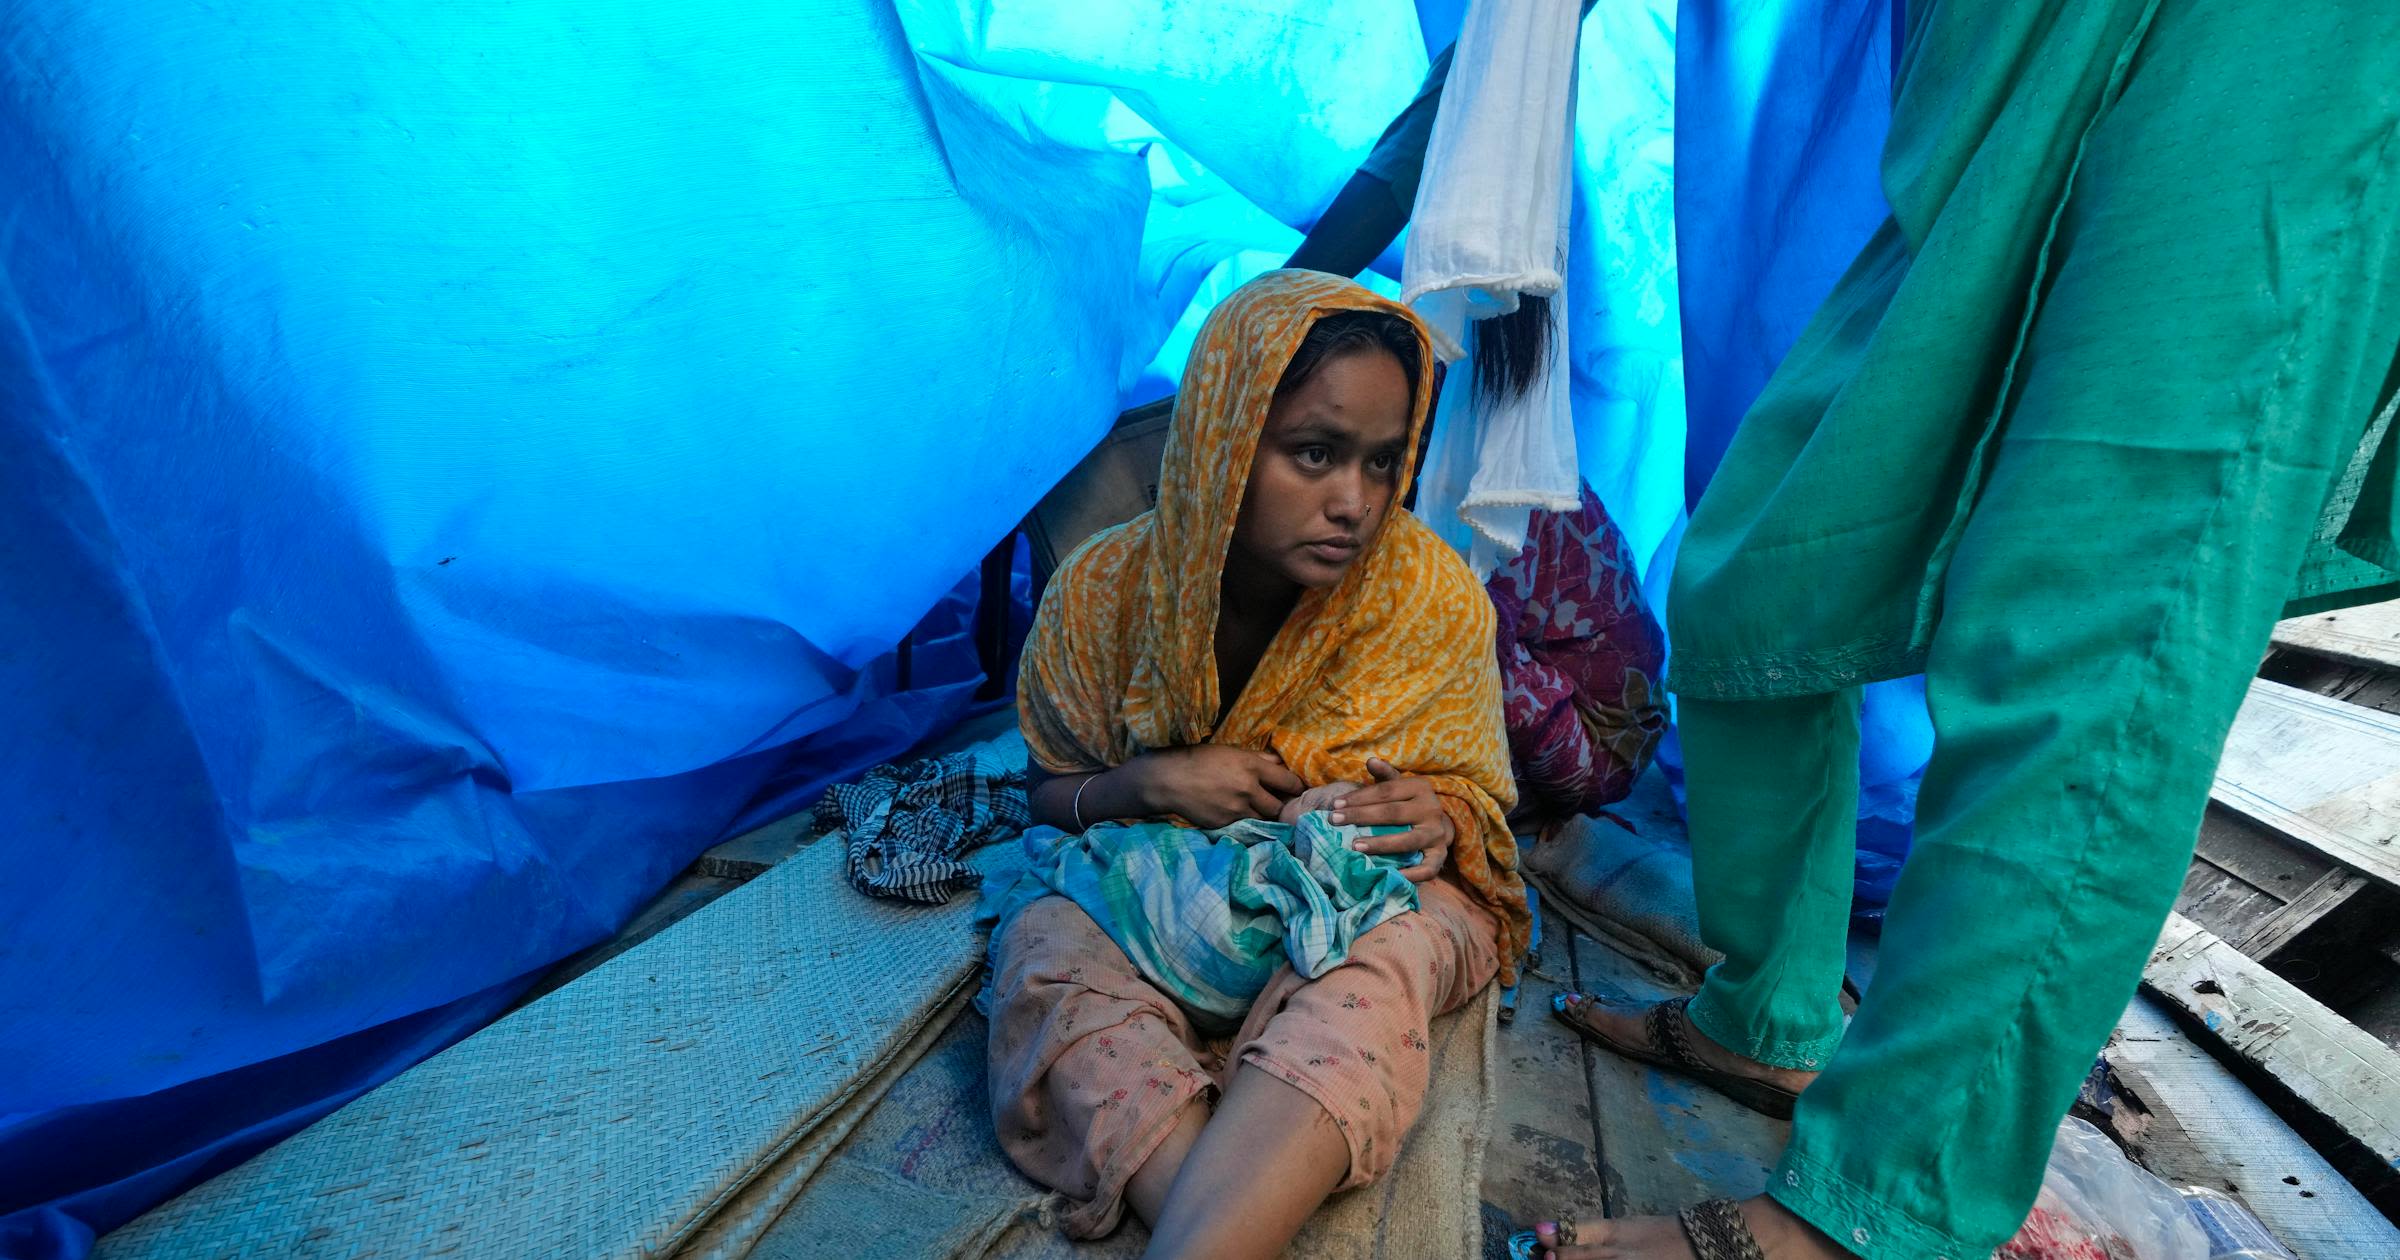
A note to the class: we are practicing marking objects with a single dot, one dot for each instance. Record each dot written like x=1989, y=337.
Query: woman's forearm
x=1109, y=794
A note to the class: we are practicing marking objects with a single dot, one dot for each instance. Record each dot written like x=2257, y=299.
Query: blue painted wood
x=2207, y=1128
x=1665, y=1141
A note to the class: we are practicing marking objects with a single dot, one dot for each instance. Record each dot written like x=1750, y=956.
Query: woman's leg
x=1331, y=1073
x=1773, y=790
x=1262, y=1166
x=2188, y=402
x=1774, y=818
x=1092, y=1074
x=1146, y=1193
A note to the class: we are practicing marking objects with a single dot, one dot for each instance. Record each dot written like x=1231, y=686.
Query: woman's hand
x=1212, y=785
x=1316, y=798
x=1398, y=800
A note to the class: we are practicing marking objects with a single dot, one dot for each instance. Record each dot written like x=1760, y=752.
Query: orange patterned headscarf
x=1395, y=661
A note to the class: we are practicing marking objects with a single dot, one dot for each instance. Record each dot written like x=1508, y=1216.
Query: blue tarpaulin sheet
x=1780, y=114
x=457, y=463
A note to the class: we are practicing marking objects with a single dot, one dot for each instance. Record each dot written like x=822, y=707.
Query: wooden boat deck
x=2257, y=1059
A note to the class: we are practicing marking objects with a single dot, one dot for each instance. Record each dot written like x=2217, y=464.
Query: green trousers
x=2170, y=438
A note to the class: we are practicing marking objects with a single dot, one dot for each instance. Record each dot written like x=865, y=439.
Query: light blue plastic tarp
x=1780, y=113
x=1246, y=116
x=447, y=467
x=453, y=458
x=1624, y=335
x=456, y=462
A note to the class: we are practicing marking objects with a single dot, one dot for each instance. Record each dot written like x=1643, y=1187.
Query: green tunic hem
x=1772, y=675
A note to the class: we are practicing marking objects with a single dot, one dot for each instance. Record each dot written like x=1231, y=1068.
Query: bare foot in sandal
x=1628, y=1025
x=1774, y=1232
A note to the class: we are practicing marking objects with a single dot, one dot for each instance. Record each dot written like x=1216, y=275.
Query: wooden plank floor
x=2292, y=1044
x=1637, y=1140
x=2197, y=1125
x=1544, y=1153
x=2325, y=773
x=1587, y=1134
x=2368, y=636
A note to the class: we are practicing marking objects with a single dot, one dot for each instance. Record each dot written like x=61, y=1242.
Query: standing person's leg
x=1773, y=814
x=2222, y=313
x=1773, y=788
x=2088, y=667
x=2224, y=304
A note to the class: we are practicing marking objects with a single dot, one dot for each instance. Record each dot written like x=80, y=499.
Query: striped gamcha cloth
x=908, y=825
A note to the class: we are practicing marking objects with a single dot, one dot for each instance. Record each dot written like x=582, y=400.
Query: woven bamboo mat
x=616, y=1116
x=923, y=1176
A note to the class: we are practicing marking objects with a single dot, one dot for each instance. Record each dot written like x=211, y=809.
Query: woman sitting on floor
x=1275, y=634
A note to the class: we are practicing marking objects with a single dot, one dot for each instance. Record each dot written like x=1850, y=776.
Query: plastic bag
x=2098, y=1205
x=2234, y=1231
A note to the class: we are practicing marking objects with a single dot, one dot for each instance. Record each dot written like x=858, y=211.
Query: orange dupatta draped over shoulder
x=1396, y=661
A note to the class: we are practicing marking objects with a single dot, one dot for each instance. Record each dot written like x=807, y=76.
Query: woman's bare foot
x=1628, y=1024
x=1781, y=1236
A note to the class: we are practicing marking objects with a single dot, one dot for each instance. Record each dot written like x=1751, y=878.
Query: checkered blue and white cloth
x=1210, y=916
x=908, y=826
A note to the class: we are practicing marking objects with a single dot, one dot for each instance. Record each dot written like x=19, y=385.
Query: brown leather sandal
x=1717, y=1231
x=1666, y=1047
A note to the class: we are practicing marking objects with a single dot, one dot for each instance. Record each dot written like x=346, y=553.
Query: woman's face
x=1327, y=471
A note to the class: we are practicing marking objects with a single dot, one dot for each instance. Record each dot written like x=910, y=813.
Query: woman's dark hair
x=1346, y=332
x=1512, y=350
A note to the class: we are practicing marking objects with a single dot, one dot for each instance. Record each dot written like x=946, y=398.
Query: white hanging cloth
x=1491, y=226
x=1493, y=462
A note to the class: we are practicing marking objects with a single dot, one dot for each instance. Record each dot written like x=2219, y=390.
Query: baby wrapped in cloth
x=1210, y=916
